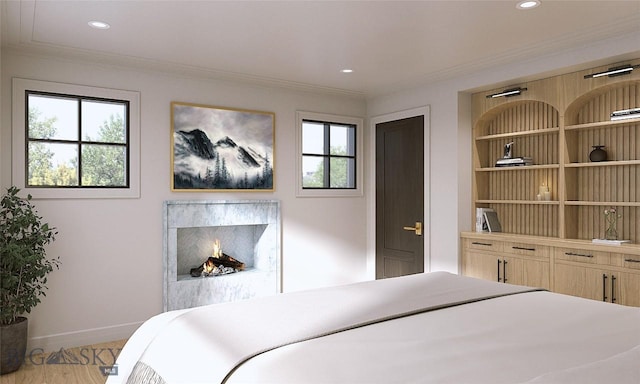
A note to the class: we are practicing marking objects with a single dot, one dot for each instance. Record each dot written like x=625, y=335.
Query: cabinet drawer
x=527, y=249
x=626, y=261
x=582, y=256
x=483, y=245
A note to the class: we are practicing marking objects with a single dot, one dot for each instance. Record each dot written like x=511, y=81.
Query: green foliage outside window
x=338, y=176
x=102, y=164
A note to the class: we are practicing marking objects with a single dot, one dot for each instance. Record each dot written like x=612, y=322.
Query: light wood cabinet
x=495, y=267
x=506, y=262
x=598, y=284
x=577, y=268
x=598, y=275
x=580, y=281
x=481, y=265
x=629, y=289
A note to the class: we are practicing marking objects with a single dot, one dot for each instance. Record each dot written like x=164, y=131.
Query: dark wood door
x=399, y=197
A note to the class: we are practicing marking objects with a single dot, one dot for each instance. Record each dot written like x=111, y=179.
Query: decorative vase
x=611, y=233
x=13, y=345
x=611, y=217
x=598, y=154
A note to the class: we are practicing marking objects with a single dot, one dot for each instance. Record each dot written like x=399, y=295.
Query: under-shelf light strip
x=507, y=93
x=612, y=72
x=624, y=114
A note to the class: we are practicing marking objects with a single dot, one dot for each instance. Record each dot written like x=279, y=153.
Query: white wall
x=450, y=126
x=111, y=250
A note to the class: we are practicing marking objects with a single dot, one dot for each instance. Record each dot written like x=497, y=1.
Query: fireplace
x=247, y=231
x=198, y=245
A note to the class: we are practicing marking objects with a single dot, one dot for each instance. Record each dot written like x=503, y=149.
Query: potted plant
x=23, y=273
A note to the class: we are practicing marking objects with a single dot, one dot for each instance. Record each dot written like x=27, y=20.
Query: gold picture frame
x=221, y=149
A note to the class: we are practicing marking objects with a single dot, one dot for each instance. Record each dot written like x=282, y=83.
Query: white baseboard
x=51, y=343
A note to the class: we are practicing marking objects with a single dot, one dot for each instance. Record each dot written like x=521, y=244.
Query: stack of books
x=487, y=220
x=514, y=161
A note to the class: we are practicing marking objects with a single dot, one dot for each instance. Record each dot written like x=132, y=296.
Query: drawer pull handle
x=485, y=244
x=504, y=271
x=632, y=261
x=613, y=289
x=524, y=249
x=577, y=254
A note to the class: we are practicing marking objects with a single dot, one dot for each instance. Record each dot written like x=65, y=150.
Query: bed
x=429, y=328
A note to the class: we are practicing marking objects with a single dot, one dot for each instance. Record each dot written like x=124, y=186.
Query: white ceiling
x=390, y=45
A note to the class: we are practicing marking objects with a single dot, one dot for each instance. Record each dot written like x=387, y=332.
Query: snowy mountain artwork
x=221, y=149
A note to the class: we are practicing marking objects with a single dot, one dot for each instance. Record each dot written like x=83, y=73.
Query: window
x=329, y=162
x=75, y=141
x=328, y=155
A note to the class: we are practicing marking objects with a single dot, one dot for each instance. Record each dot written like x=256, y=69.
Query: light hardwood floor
x=37, y=369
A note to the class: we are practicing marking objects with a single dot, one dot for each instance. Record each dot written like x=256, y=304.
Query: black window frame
x=80, y=141
x=327, y=156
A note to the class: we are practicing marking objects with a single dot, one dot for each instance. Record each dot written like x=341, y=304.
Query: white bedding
x=533, y=337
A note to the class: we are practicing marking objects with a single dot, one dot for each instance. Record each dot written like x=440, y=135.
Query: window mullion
x=327, y=157
x=351, y=143
x=80, y=142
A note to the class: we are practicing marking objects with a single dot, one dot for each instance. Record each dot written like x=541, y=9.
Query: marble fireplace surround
x=249, y=230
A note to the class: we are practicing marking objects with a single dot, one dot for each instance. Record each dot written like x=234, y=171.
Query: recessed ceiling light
x=346, y=70
x=528, y=4
x=99, y=24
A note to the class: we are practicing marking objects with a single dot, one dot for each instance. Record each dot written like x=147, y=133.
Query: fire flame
x=217, y=249
x=208, y=267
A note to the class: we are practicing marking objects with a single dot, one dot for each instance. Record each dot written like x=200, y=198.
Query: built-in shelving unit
x=593, y=186
x=557, y=121
x=548, y=242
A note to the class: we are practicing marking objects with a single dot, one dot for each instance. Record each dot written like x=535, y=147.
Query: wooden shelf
x=603, y=164
x=518, y=168
x=527, y=202
x=535, y=132
x=602, y=124
x=603, y=203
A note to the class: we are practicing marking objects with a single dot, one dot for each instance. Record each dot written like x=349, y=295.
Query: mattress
x=433, y=328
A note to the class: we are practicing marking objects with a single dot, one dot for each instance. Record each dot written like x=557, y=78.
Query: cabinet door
x=589, y=283
x=627, y=289
x=489, y=266
x=535, y=274
x=481, y=265
x=511, y=270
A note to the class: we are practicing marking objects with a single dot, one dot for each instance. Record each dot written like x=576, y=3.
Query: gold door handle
x=417, y=229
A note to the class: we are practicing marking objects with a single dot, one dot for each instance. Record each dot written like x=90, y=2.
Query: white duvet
x=537, y=337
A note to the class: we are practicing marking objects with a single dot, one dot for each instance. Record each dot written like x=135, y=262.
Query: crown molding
x=163, y=67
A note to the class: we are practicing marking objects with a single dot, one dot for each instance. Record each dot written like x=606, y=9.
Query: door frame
x=371, y=185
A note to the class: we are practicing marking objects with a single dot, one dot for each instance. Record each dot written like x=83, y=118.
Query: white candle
x=543, y=189
x=538, y=197
x=547, y=196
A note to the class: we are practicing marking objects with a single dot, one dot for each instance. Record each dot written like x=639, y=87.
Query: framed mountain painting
x=221, y=149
